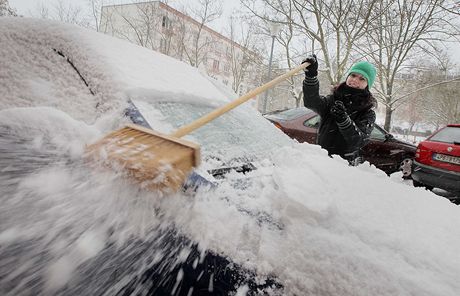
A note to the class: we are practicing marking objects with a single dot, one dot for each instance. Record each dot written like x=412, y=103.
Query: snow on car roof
x=30, y=50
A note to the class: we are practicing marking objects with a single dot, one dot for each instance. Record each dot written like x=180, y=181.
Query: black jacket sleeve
x=311, y=98
x=357, y=132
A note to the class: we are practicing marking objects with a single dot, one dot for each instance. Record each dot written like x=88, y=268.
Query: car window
x=377, y=134
x=449, y=134
x=312, y=122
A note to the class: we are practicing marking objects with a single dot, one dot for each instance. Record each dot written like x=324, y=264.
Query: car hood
x=274, y=117
x=404, y=143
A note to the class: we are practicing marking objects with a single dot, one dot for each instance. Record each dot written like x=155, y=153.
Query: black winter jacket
x=348, y=140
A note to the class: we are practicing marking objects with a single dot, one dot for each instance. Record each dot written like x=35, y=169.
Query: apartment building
x=162, y=28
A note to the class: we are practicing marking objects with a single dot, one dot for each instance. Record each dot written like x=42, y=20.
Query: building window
x=215, y=65
x=166, y=23
x=163, y=45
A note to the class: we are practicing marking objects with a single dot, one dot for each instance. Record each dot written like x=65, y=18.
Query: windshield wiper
x=75, y=68
x=220, y=172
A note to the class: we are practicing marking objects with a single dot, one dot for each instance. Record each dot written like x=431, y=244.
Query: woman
x=347, y=115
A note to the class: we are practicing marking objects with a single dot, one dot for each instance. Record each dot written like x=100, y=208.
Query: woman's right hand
x=312, y=69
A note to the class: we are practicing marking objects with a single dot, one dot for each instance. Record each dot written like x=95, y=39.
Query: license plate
x=446, y=158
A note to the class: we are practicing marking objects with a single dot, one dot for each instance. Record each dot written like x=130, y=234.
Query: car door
x=379, y=150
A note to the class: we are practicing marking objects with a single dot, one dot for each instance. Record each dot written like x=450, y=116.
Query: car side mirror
x=388, y=137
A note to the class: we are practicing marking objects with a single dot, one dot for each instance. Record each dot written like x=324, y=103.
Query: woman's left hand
x=338, y=110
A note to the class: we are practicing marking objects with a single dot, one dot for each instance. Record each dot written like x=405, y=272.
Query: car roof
x=289, y=114
x=43, y=67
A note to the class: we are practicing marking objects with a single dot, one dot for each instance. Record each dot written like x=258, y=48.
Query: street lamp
x=274, y=29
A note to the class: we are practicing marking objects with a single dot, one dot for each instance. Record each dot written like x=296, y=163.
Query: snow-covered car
x=273, y=217
x=54, y=86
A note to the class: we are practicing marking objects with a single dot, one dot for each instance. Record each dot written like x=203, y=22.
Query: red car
x=383, y=150
x=437, y=160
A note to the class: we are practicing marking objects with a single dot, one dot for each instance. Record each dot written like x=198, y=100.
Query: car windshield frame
x=448, y=134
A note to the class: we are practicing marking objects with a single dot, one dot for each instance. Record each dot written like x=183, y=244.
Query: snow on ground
x=332, y=229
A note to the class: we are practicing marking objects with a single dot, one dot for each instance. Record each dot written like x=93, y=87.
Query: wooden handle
x=218, y=112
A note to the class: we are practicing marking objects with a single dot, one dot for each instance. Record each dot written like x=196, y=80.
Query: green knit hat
x=366, y=69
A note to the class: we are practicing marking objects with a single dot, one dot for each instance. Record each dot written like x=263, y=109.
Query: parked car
x=437, y=160
x=383, y=150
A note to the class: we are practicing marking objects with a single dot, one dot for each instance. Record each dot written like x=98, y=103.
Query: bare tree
x=439, y=99
x=87, y=16
x=414, y=111
x=63, y=12
x=402, y=31
x=434, y=97
x=137, y=23
x=333, y=26
x=175, y=34
x=67, y=13
x=452, y=6
x=242, y=53
x=441, y=104
x=96, y=6
x=5, y=9
x=287, y=39
x=142, y=24
x=204, y=12
x=41, y=11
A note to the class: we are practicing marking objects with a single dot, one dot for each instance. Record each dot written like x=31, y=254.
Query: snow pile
x=338, y=230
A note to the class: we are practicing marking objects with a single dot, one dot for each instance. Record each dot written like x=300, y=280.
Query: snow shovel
x=158, y=161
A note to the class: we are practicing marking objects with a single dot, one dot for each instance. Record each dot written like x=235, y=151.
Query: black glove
x=339, y=112
x=312, y=69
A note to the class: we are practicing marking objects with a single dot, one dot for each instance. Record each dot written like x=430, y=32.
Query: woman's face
x=356, y=80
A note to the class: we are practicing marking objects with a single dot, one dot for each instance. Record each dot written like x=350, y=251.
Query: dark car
x=437, y=160
x=383, y=150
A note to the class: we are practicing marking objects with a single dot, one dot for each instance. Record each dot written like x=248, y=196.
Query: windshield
x=449, y=134
x=239, y=135
x=377, y=133
x=290, y=114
